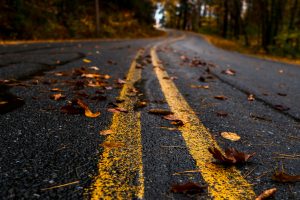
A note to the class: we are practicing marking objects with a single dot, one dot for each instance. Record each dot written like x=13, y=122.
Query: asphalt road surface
x=76, y=121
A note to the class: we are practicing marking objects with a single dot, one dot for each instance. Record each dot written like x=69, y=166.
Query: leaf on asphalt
x=106, y=76
x=281, y=108
x=232, y=156
x=251, y=97
x=87, y=111
x=188, y=188
x=98, y=98
x=200, y=86
x=285, y=178
x=96, y=84
x=206, y=78
x=168, y=128
x=86, y=60
x=94, y=68
x=282, y=94
x=260, y=117
x=184, y=58
x=57, y=97
x=108, y=88
x=170, y=117
x=266, y=194
x=112, y=144
x=160, y=112
x=111, y=62
x=90, y=75
x=71, y=109
x=3, y=102
x=221, y=97
x=117, y=110
x=120, y=81
x=230, y=72
x=222, y=114
x=106, y=132
x=140, y=104
x=231, y=136
x=60, y=74
x=56, y=90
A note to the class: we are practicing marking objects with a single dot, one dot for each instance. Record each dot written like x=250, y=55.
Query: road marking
x=120, y=169
x=223, y=183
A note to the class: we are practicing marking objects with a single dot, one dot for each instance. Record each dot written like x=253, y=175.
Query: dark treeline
x=33, y=19
x=268, y=25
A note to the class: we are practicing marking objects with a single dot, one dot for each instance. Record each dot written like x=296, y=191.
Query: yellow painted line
x=223, y=183
x=120, y=169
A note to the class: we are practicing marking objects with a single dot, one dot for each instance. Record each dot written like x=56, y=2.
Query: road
x=55, y=144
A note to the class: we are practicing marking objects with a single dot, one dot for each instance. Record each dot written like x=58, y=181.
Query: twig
x=59, y=186
x=249, y=172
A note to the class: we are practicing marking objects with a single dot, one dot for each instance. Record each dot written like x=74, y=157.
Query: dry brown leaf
x=232, y=156
x=221, y=97
x=281, y=108
x=56, y=90
x=106, y=76
x=57, y=97
x=94, y=68
x=160, y=112
x=140, y=104
x=3, y=102
x=117, y=110
x=266, y=194
x=285, y=178
x=106, y=132
x=87, y=111
x=222, y=114
x=282, y=94
x=200, y=86
x=91, y=75
x=71, y=109
x=188, y=188
x=251, y=97
x=120, y=81
x=231, y=136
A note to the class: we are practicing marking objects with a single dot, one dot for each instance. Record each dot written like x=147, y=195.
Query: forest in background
x=43, y=19
x=268, y=26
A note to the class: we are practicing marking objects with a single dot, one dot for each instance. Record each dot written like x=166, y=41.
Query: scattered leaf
x=106, y=132
x=222, y=114
x=168, y=128
x=57, y=97
x=160, y=112
x=285, y=178
x=232, y=156
x=71, y=109
x=111, y=62
x=106, y=76
x=200, y=86
x=260, y=117
x=188, y=188
x=90, y=75
x=3, y=102
x=86, y=60
x=231, y=136
x=56, y=90
x=94, y=68
x=108, y=88
x=87, y=111
x=251, y=97
x=282, y=94
x=140, y=104
x=120, y=81
x=230, y=72
x=221, y=97
x=281, y=108
x=266, y=194
x=117, y=110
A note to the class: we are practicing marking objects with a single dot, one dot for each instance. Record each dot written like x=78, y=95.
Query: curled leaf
x=230, y=72
x=87, y=111
x=57, y=97
x=117, y=110
x=200, y=86
x=251, y=97
x=266, y=194
x=232, y=156
x=188, y=188
x=86, y=60
x=285, y=178
x=222, y=114
x=106, y=132
x=221, y=97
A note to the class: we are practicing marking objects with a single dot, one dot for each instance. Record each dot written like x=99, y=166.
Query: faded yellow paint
x=223, y=183
x=120, y=169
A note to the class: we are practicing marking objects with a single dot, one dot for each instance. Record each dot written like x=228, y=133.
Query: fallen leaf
x=140, y=104
x=56, y=90
x=251, y=97
x=71, y=109
x=111, y=62
x=106, y=132
x=112, y=144
x=168, y=128
x=285, y=178
x=160, y=112
x=94, y=68
x=87, y=111
x=117, y=110
x=260, y=117
x=60, y=74
x=57, y=97
x=230, y=72
x=222, y=114
x=120, y=81
x=231, y=136
x=200, y=86
x=188, y=188
x=108, y=88
x=281, y=108
x=266, y=194
x=91, y=75
x=232, y=156
x=221, y=97
x=282, y=94
x=106, y=76
x=86, y=60
x=3, y=102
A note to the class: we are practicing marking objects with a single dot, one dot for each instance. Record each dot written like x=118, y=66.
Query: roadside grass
x=235, y=45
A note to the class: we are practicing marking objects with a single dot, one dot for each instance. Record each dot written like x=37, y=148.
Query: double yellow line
x=121, y=169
